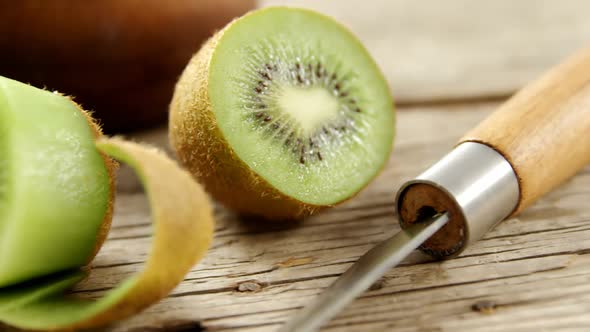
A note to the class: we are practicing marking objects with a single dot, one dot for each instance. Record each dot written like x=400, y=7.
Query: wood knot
x=250, y=286
x=377, y=285
x=485, y=306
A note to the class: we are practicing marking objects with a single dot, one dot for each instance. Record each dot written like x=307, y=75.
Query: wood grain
x=453, y=61
x=456, y=50
x=530, y=273
x=544, y=130
x=533, y=270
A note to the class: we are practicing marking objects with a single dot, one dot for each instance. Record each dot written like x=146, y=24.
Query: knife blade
x=363, y=273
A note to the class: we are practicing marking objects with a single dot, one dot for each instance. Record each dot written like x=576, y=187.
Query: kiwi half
x=281, y=113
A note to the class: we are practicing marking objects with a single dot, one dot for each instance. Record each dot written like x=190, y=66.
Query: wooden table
x=450, y=64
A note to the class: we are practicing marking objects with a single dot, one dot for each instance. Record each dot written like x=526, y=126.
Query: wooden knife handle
x=544, y=129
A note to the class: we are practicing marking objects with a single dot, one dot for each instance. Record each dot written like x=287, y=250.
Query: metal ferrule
x=474, y=184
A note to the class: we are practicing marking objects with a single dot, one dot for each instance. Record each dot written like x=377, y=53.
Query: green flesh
x=280, y=62
x=54, y=196
x=54, y=186
x=42, y=305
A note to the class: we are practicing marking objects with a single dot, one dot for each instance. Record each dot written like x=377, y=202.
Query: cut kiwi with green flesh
x=54, y=185
x=302, y=103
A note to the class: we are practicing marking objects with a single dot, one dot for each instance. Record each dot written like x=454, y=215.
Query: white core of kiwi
x=310, y=107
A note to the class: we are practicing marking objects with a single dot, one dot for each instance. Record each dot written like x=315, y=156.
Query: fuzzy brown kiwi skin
x=111, y=166
x=201, y=147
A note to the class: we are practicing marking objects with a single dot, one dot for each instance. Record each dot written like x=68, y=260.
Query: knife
x=535, y=141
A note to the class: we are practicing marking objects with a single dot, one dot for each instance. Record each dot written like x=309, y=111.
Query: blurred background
x=121, y=58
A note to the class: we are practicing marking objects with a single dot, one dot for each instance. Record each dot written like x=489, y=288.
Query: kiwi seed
x=305, y=148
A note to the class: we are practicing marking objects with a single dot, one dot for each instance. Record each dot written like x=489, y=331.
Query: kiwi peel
x=33, y=297
x=282, y=113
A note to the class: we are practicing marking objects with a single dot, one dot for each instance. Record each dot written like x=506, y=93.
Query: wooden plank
x=530, y=273
x=533, y=269
x=456, y=49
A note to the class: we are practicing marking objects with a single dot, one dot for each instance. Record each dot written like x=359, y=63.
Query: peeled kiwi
x=56, y=188
x=56, y=204
x=282, y=113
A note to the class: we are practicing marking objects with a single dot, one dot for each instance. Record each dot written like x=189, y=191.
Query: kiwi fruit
x=56, y=206
x=56, y=188
x=282, y=113
x=120, y=58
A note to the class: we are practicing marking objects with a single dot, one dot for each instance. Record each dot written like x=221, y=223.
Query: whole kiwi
x=120, y=58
